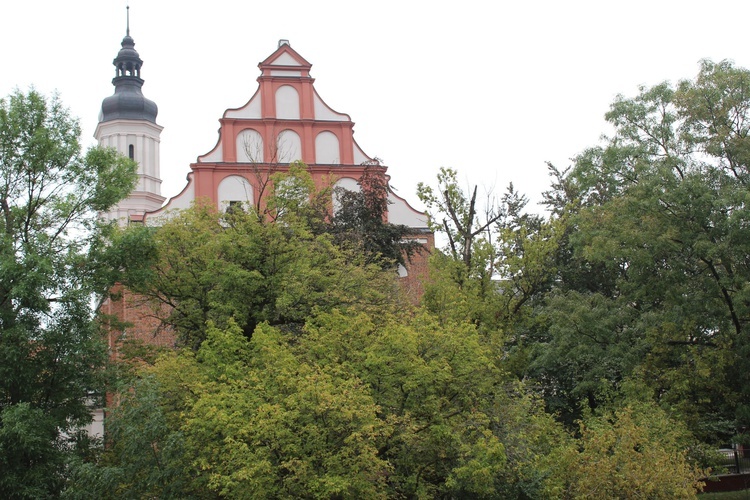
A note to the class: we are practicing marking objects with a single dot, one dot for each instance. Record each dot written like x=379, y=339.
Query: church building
x=283, y=122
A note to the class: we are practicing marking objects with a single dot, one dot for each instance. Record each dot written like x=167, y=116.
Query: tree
x=657, y=237
x=500, y=258
x=360, y=222
x=351, y=406
x=50, y=354
x=634, y=451
x=458, y=217
x=207, y=266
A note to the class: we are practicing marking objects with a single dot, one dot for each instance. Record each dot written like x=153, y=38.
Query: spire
x=128, y=101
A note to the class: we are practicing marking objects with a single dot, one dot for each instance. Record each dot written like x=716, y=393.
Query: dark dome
x=128, y=103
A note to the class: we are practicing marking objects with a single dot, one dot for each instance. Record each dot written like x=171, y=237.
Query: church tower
x=127, y=122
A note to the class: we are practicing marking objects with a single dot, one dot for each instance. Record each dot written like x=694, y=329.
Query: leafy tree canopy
x=203, y=265
x=50, y=355
x=360, y=223
x=657, y=243
x=352, y=406
x=303, y=374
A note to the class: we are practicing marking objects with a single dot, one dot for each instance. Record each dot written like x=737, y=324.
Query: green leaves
x=714, y=108
x=210, y=267
x=360, y=225
x=110, y=176
x=351, y=406
x=658, y=233
x=51, y=357
x=634, y=451
x=30, y=455
x=304, y=376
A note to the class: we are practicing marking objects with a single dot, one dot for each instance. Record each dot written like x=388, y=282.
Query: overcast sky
x=492, y=89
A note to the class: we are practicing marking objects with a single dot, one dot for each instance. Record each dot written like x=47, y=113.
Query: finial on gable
x=284, y=42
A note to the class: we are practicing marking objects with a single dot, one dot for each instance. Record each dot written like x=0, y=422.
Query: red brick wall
x=134, y=318
x=417, y=269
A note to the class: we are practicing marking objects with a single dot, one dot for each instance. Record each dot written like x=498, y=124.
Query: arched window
x=345, y=183
x=234, y=192
x=250, y=146
x=288, y=147
x=327, y=148
x=131, y=152
x=287, y=103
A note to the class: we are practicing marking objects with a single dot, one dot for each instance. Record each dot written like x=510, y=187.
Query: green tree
x=500, y=261
x=360, y=222
x=352, y=406
x=460, y=218
x=206, y=266
x=657, y=237
x=50, y=354
x=635, y=451
x=242, y=418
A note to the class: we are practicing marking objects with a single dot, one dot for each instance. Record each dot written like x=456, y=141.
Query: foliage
x=453, y=299
x=354, y=406
x=639, y=273
x=657, y=243
x=144, y=457
x=497, y=267
x=593, y=348
x=458, y=217
x=294, y=196
x=205, y=266
x=430, y=386
x=635, y=451
x=360, y=222
x=304, y=376
x=50, y=356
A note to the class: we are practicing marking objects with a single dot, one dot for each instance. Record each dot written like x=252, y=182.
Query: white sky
x=493, y=89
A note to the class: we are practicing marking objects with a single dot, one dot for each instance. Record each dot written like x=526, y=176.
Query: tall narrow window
x=288, y=147
x=327, y=148
x=131, y=152
x=287, y=103
x=250, y=146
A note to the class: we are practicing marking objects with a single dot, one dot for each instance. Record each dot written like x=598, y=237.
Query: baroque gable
x=284, y=121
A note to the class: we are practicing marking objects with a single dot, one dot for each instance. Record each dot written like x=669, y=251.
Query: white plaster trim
x=289, y=146
x=251, y=110
x=323, y=112
x=234, y=188
x=182, y=201
x=284, y=59
x=282, y=72
x=327, y=148
x=359, y=156
x=399, y=212
x=249, y=144
x=287, y=103
x=121, y=126
x=214, y=156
